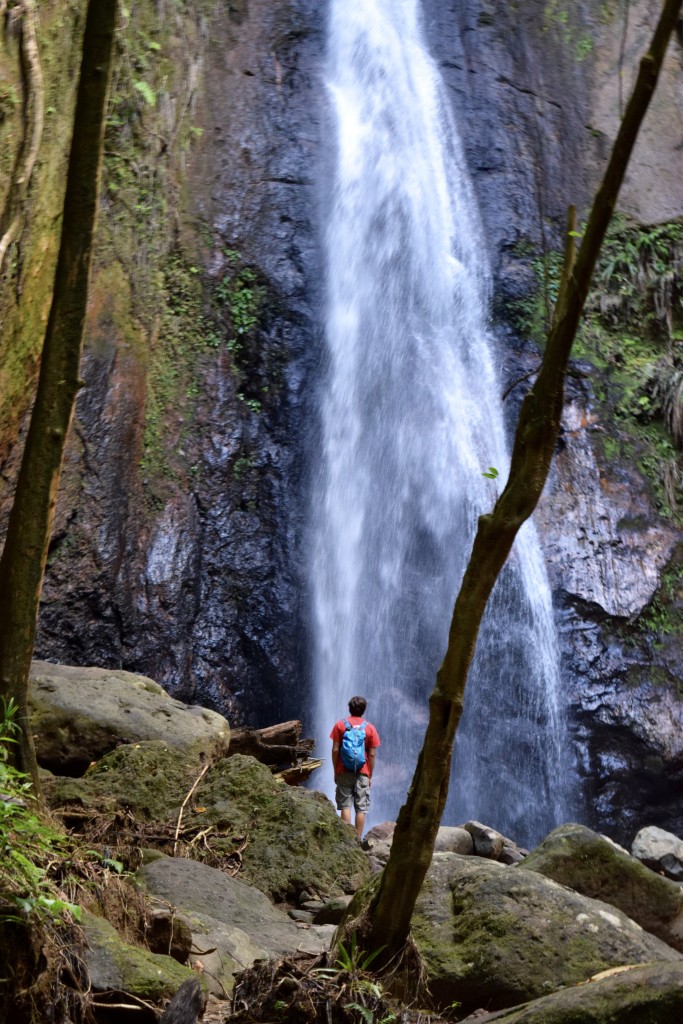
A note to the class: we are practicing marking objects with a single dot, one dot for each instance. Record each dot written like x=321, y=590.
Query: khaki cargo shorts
x=353, y=789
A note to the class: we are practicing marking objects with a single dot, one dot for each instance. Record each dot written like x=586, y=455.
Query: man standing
x=354, y=745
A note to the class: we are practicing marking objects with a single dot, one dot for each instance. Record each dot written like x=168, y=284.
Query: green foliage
x=351, y=959
x=557, y=14
x=491, y=474
x=147, y=93
x=632, y=334
x=368, y=1016
x=29, y=847
x=240, y=296
x=532, y=315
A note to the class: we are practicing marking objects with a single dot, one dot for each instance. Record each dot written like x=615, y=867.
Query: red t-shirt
x=371, y=739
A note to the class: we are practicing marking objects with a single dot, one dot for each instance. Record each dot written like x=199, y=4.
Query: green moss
x=149, y=129
x=148, y=778
x=586, y=862
x=126, y=968
x=558, y=15
x=659, y=625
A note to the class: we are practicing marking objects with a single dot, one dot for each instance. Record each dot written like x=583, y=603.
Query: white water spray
x=411, y=419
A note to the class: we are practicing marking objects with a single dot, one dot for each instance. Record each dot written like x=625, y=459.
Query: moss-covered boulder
x=295, y=840
x=587, y=862
x=150, y=779
x=115, y=966
x=288, y=839
x=650, y=994
x=497, y=936
x=80, y=714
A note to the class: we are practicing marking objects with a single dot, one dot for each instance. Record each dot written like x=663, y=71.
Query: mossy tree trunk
x=386, y=921
x=25, y=552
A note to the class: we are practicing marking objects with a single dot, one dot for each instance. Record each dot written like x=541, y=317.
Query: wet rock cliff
x=539, y=88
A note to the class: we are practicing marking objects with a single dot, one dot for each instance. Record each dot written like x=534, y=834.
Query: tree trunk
x=23, y=560
x=386, y=922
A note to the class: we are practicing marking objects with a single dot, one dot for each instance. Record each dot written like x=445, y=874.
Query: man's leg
x=361, y=801
x=344, y=794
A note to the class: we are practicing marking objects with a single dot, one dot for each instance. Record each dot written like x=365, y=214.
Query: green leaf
x=147, y=93
x=365, y=1011
x=491, y=474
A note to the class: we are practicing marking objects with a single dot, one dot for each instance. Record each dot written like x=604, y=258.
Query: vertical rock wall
x=177, y=543
x=540, y=87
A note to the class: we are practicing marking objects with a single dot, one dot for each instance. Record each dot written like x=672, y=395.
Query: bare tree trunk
x=23, y=560
x=386, y=922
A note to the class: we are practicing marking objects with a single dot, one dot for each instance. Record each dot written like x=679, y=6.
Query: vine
x=13, y=215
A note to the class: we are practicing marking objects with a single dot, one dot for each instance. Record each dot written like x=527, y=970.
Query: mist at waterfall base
x=411, y=420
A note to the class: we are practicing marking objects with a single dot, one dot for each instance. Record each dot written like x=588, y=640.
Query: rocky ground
x=210, y=868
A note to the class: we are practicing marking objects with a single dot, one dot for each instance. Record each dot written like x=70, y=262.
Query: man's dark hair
x=357, y=706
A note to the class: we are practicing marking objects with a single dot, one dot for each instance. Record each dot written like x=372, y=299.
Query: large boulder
x=80, y=714
x=233, y=922
x=648, y=994
x=497, y=936
x=592, y=865
x=660, y=850
x=114, y=966
x=290, y=839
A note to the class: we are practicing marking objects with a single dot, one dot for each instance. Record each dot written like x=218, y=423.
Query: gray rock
x=497, y=936
x=302, y=916
x=380, y=833
x=169, y=934
x=232, y=923
x=511, y=855
x=487, y=842
x=116, y=966
x=187, y=1005
x=453, y=839
x=80, y=714
x=660, y=850
x=333, y=910
x=296, y=840
x=590, y=864
x=378, y=855
x=649, y=992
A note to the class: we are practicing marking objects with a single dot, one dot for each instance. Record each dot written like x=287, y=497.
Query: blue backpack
x=352, y=749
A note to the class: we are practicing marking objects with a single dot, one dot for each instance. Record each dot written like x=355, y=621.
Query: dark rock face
x=519, y=97
x=202, y=589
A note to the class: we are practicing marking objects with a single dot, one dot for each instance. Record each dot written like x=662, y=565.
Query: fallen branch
x=184, y=805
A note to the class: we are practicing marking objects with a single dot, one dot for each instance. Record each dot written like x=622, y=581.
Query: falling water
x=411, y=419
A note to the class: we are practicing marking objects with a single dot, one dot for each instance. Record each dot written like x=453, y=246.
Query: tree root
x=320, y=990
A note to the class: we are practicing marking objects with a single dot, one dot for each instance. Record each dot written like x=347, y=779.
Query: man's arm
x=371, y=760
x=335, y=756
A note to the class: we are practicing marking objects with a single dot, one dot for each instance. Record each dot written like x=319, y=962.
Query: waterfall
x=411, y=419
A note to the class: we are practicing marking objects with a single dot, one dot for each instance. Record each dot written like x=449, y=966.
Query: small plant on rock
x=29, y=847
